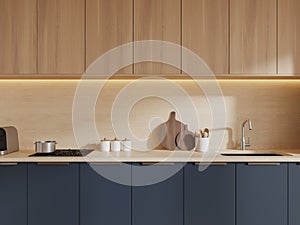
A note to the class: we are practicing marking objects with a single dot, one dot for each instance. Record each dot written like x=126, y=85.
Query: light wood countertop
x=162, y=156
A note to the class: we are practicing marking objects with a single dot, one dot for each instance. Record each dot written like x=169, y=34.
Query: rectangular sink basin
x=253, y=154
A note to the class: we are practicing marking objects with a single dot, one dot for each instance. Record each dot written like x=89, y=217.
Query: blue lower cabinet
x=209, y=195
x=105, y=194
x=13, y=194
x=262, y=194
x=157, y=194
x=294, y=194
x=53, y=194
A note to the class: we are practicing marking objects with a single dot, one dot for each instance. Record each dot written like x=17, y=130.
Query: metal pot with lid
x=45, y=146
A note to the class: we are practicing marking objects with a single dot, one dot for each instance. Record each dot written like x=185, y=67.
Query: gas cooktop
x=65, y=153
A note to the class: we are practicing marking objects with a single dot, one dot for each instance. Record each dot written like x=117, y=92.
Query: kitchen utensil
x=201, y=133
x=185, y=140
x=206, y=133
x=45, y=146
x=173, y=127
x=9, y=141
x=104, y=145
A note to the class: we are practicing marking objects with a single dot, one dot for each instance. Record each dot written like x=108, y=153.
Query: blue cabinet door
x=105, y=194
x=209, y=195
x=13, y=194
x=53, y=194
x=294, y=194
x=262, y=194
x=157, y=194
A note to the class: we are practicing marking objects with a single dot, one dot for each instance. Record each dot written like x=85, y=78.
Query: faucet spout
x=243, y=141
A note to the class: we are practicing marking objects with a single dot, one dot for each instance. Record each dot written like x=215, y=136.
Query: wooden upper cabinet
x=61, y=36
x=158, y=20
x=109, y=25
x=18, y=43
x=253, y=36
x=289, y=36
x=205, y=32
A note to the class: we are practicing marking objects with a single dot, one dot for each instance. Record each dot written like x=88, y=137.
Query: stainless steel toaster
x=9, y=141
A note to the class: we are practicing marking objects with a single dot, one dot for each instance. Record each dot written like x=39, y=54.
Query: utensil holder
x=202, y=144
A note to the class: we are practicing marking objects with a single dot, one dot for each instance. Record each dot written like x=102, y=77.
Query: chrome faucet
x=243, y=142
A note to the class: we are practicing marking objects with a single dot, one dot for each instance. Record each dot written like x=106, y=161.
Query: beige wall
x=42, y=110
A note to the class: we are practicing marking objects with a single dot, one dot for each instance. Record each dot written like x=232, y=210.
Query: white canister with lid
x=115, y=145
x=126, y=145
x=104, y=145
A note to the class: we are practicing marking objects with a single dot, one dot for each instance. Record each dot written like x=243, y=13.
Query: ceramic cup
x=202, y=144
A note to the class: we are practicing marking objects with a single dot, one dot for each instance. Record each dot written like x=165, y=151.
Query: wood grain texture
x=172, y=127
x=60, y=36
x=289, y=36
x=108, y=25
x=18, y=42
x=253, y=36
x=42, y=110
x=157, y=20
x=205, y=32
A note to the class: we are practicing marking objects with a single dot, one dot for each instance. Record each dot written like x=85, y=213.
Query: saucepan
x=45, y=146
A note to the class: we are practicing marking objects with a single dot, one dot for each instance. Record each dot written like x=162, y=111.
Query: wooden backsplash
x=42, y=110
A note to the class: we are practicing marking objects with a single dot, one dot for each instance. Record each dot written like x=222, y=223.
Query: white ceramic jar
x=115, y=145
x=126, y=145
x=104, y=145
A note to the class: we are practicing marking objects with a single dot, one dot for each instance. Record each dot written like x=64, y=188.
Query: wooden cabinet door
x=157, y=195
x=157, y=20
x=108, y=25
x=289, y=36
x=205, y=32
x=18, y=41
x=261, y=194
x=253, y=36
x=61, y=36
x=53, y=194
x=209, y=196
x=13, y=195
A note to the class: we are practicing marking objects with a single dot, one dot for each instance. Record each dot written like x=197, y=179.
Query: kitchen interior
x=51, y=175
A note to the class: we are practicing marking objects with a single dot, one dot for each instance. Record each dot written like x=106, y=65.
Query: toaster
x=9, y=141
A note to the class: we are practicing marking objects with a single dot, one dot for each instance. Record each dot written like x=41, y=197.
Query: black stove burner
x=66, y=152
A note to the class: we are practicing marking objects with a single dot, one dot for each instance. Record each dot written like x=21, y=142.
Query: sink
x=255, y=154
x=251, y=154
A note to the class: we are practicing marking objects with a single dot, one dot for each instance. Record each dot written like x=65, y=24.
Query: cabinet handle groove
x=263, y=164
x=157, y=163
x=8, y=164
x=213, y=163
x=53, y=163
x=104, y=163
